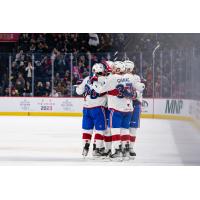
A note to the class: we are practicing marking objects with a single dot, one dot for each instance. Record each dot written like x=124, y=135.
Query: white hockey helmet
x=119, y=65
x=98, y=68
x=110, y=64
x=129, y=65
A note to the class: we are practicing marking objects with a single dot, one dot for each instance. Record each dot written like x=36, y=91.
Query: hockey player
x=107, y=136
x=93, y=111
x=137, y=101
x=120, y=108
x=109, y=66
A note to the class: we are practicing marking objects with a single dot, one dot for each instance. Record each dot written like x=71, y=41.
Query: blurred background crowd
x=39, y=64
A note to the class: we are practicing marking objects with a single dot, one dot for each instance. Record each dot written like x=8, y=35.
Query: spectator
x=14, y=92
x=47, y=89
x=27, y=89
x=90, y=48
x=93, y=41
x=39, y=90
x=29, y=70
x=6, y=92
x=32, y=48
x=20, y=84
x=60, y=89
x=56, y=79
x=55, y=94
x=19, y=56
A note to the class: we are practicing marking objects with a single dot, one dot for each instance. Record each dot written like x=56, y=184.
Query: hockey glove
x=93, y=79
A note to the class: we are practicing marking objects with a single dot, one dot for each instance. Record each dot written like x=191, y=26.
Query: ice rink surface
x=57, y=141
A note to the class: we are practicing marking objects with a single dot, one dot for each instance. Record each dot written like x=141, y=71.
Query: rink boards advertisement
x=41, y=105
x=172, y=107
x=46, y=105
x=158, y=108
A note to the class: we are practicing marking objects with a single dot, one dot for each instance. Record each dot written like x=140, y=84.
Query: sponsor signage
x=149, y=106
x=173, y=106
x=9, y=37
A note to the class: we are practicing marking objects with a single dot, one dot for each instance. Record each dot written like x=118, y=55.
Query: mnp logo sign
x=173, y=106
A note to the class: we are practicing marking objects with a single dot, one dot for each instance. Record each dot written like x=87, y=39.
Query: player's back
x=116, y=99
x=135, y=79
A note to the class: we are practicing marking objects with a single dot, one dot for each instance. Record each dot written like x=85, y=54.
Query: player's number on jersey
x=129, y=87
x=93, y=94
x=121, y=89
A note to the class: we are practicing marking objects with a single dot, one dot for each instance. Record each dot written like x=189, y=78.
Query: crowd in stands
x=36, y=59
x=54, y=54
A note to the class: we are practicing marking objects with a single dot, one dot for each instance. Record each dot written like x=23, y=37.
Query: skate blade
x=126, y=158
x=116, y=159
x=84, y=156
x=96, y=157
x=132, y=157
x=92, y=159
x=104, y=157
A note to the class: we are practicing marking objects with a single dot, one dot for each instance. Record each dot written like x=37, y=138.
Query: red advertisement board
x=9, y=37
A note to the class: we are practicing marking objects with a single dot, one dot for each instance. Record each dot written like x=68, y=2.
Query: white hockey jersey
x=139, y=86
x=91, y=97
x=114, y=85
x=139, y=93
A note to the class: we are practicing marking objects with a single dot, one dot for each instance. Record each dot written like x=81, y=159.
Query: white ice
x=57, y=141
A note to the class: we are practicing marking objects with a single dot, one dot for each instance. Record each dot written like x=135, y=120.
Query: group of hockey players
x=112, y=107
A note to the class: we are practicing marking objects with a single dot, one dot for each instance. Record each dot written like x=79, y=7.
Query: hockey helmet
x=129, y=65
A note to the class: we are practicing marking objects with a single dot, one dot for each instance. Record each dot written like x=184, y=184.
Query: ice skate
x=102, y=150
x=106, y=153
x=126, y=153
x=132, y=154
x=96, y=153
x=85, y=150
x=117, y=156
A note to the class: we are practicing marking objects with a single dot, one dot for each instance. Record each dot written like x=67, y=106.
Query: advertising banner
x=156, y=107
x=178, y=107
x=9, y=37
x=27, y=104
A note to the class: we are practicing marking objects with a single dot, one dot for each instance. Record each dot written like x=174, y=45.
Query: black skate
x=102, y=150
x=106, y=153
x=132, y=154
x=126, y=152
x=85, y=150
x=97, y=153
x=117, y=156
